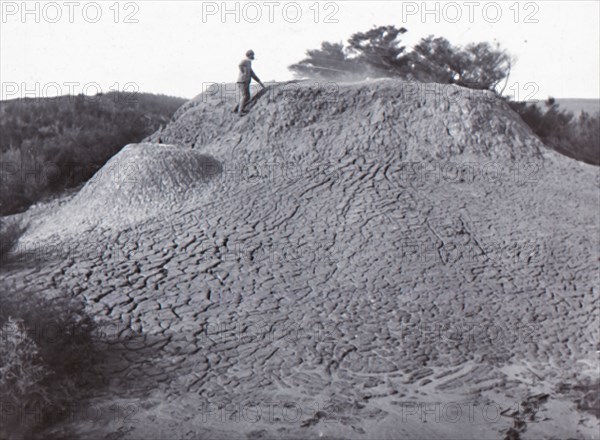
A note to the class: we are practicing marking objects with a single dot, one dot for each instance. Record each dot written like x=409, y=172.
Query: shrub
x=10, y=232
x=21, y=374
x=46, y=350
x=578, y=138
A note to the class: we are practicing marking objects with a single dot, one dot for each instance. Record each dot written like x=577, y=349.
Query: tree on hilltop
x=379, y=53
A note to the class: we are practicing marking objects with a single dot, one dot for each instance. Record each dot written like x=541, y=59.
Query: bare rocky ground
x=354, y=261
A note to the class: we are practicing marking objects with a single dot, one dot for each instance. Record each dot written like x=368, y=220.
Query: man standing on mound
x=243, y=82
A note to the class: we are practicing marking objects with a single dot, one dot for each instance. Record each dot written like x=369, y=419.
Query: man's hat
x=250, y=53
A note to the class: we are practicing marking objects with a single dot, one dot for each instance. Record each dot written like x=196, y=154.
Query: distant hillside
x=50, y=144
x=575, y=105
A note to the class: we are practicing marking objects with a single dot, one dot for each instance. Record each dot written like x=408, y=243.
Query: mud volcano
x=142, y=180
x=352, y=252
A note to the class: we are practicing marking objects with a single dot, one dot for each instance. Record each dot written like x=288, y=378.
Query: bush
x=46, y=350
x=578, y=138
x=21, y=374
x=10, y=232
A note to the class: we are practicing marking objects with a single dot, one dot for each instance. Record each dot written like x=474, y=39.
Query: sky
x=179, y=47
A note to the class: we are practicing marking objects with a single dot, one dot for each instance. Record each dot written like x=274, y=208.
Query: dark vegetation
x=379, y=53
x=576, y=137
x=47, y=360
x=50, y=144
x=10, y=232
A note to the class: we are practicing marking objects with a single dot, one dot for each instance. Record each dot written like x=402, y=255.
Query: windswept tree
x=436, y=60
x=329, y=62
x=477, y=66
x=487, y=65
x=380, y=49
x=379, y=53
x=375, y=53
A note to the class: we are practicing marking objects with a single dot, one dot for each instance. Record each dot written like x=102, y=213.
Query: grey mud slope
x=324, y=282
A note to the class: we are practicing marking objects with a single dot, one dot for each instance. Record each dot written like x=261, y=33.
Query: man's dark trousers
x=244, y=90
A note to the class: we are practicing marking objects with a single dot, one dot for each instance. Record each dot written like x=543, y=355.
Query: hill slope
x=348, y=254
x=49, y=144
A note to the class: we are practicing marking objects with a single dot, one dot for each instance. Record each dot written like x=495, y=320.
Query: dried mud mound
x=383, y=120
x=298, y=130
x=140, y=181
x=358, y=249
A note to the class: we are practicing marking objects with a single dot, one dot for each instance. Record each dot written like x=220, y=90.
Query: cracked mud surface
x=354, y=292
